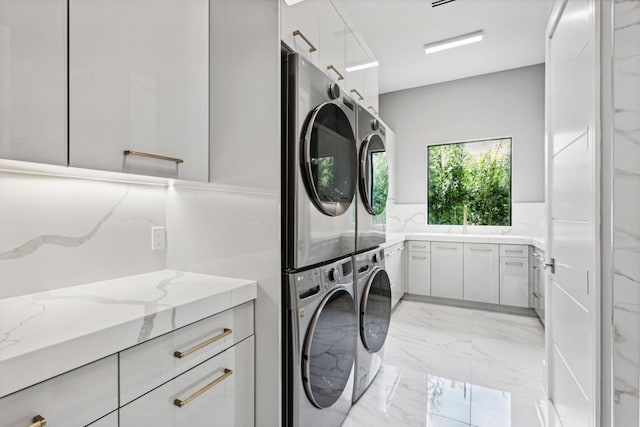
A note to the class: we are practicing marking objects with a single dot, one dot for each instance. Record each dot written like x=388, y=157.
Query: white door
x=33, y=80
x=139, y=84
x=572, y=219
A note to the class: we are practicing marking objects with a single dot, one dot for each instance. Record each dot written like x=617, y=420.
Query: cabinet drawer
x=152, y=363
x=69, y=400
x=110, y=420
x=228, y=403
x=517, y=251
x=419, y=246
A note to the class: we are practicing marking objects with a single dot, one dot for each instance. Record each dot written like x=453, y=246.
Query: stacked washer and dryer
x=336, y=295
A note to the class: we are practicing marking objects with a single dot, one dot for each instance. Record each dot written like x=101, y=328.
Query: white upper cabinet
x=332, y=50
x=33, y=80
x=356, y=54
x=481, y=272
x=139, y=79
x=300, y=27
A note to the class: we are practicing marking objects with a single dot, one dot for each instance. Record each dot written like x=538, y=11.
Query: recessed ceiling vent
x=440, y=2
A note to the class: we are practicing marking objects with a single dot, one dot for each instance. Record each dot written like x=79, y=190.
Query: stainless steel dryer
x=319, y=167
x=373, y=181
x=320, y=355
x=373, y=296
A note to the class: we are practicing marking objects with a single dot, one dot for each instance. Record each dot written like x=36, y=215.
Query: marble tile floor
x=456, y=367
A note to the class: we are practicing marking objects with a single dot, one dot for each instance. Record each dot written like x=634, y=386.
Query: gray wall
x=507, y=103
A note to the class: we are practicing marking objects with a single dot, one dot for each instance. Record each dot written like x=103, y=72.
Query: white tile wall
x=626, y=211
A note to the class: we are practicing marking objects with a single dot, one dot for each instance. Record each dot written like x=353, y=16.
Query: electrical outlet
x=158, y=238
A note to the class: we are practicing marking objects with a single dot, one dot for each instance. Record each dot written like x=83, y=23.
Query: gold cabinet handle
x=152, y=156
x=357, y=93
x=312, y=48
x=227, y=373
x=38, y=421
x=370, y=107
x=335, y=70
x=181, y=354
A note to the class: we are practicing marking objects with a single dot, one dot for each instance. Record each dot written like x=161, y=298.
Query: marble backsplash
x=527, y=220
x=59, y=231
x=626, y=210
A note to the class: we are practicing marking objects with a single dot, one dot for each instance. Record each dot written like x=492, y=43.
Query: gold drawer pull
x=227, y=373
x=335, y=70
x=152, y=156
x=375, y=112
x=181, y=354
x=357, y=93
x=38, y=421
x=312, y=48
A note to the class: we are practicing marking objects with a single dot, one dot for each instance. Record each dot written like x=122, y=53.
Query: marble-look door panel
x=57, y=232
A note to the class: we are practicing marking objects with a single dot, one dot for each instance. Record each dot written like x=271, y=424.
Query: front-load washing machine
x=319, y=167
x=373, y=180
x=320, y=345
x=373, y=298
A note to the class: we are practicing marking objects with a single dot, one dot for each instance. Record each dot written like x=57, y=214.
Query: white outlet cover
x=158, y=238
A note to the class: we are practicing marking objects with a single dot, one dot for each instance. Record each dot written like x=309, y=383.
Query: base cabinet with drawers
x=418, y=266
x=201, y=373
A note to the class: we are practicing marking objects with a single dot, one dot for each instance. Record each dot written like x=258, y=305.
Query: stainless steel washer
x=373, y=296
x=322, y=325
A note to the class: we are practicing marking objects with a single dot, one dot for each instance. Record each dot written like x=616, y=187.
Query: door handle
x=551, y=265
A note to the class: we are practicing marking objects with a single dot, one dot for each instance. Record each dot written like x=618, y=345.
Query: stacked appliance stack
x=336, y=294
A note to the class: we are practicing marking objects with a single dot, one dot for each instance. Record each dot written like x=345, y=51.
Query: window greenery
x=475, y=175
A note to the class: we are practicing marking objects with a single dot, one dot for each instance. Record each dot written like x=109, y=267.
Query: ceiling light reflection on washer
x=454, y=42
x=362, y=66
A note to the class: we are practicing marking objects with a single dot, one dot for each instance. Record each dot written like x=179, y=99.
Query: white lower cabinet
x=418, y=266
x=481, y=273
x=110, y=420
x=73, y=399
x=447, y=270
x=394, y=262
x=514, y=281
x=218, y=392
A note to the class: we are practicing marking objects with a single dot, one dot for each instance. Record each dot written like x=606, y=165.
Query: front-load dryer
x=319, y=167
x=373, y=298
x=373, y=180
x=321, y=340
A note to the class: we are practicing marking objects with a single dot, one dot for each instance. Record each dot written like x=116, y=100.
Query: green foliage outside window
x=380, y=185
x=472, y=174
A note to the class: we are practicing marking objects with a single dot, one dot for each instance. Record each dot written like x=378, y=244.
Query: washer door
x=330, y=349
x=375, y=310
x=329, y=159
x=374, y=174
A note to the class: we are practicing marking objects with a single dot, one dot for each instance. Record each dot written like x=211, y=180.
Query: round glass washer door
x=374, y=174
x=330, y=349
x=329, y=159
x=375, y=311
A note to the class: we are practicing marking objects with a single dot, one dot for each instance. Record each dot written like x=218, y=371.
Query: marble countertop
x=49, y=333
x=393, y=238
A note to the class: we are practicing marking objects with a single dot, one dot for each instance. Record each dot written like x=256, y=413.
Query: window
x=475, y=175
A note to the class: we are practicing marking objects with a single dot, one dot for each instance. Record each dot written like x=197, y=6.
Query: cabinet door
x=514, y=281
x=33, y=80
x=446, y=270
x=370, y=84
x=332, y=51
x=300, y=27
x=481, y=273
x=217, y=393
x=110, y=420
x=139, y=81
x=393, y=265
x=419, y=279
x=355, y=55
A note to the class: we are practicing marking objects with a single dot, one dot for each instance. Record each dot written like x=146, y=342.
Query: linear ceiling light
x=453, y=42
x=362, y=66
x=292, y=2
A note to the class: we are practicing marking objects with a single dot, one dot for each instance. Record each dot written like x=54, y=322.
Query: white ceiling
x=397, y=30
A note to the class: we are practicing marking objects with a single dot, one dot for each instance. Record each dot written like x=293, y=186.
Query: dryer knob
x=375, y=124
x=374, y=258
x=332, y=275
x=334, y=91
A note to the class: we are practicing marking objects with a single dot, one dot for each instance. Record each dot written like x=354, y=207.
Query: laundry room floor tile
x=456, y=367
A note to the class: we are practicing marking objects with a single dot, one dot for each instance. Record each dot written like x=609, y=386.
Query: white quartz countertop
x=49, y=333
x=393, y=239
